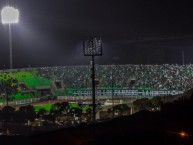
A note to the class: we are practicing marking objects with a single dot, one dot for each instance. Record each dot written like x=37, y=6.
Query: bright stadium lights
x=10, y=15
x=93, y=47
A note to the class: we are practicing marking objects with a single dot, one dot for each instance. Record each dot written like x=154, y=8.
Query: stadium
x=45, y=86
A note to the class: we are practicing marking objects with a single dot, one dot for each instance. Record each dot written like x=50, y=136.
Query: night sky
x=50, y=32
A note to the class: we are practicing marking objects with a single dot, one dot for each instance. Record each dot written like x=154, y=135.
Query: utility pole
x=182, y=56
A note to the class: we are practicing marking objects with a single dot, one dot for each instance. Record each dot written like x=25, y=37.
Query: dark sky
x=50, y=32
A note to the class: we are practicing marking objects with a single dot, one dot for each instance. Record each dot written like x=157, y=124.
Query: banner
x=124, y=92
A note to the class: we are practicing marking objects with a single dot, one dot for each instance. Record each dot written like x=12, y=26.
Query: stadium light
x=93, y=47
x=10, y=15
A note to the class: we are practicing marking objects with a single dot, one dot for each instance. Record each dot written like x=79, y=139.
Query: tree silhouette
x=89, y=113
x=1, y=116
x=41, y=113
x=143, y=104
x=76, y=112
x=9, y=86
x=26, y=113
x=156, y=101
x=8, y=114
x=59, y=109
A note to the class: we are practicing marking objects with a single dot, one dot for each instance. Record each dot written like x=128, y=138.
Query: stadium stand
x=63, y=80
x=162, y=77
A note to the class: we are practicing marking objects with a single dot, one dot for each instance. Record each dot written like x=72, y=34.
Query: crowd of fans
x=168, y=77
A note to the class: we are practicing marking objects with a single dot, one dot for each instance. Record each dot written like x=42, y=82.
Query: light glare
x=9, y=15
x=183, y=134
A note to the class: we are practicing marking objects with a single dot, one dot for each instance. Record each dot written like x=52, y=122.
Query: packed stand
x=161, y=77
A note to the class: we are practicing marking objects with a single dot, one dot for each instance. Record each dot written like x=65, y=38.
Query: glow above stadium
x=9, y=15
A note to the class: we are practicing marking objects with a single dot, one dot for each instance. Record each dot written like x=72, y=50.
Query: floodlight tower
x=93, y=47
x=9, y=16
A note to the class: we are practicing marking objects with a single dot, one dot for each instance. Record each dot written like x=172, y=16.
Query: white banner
x=126, y=92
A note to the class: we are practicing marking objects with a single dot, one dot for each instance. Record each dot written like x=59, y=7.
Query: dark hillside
x=151, y=128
